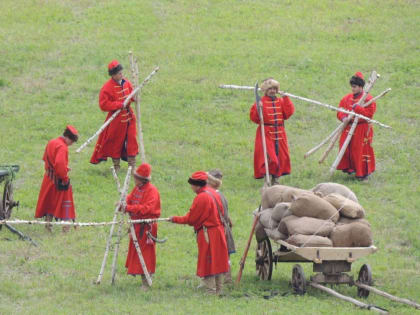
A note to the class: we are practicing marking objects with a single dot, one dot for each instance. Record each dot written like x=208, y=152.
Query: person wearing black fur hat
x=119, y=138
x=359, y=157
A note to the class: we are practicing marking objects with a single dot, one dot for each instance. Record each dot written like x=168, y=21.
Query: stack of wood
x=328, y=215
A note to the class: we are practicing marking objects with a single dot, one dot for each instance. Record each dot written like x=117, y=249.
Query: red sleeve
x=60, y=162
x=253, y=114
x=366, y=111
x=148, y=206
x=288, y=107
x=341, y=115
x=198, y=212
x=130, y=89
x=106, y=103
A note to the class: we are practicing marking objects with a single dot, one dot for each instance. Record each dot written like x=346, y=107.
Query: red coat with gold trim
x=212, y=249
x=359, y=156
x=143, y=203
x=275, y=112
x=118, y=139
x=56, y=194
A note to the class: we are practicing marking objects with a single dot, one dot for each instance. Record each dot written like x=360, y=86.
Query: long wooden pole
x=372, y=79
x=261, y=114
x=347, y=298
x=111, y=230
x=332, y=143
x=313, y=150
x=387, y=295
x=81, y=224
x=139, y=253
x=338, y=109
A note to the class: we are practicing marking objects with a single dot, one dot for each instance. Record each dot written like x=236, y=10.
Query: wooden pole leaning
x=372, y=79
x=313, y=150
x=111, y=231
x=261, y=114
x=139, y=253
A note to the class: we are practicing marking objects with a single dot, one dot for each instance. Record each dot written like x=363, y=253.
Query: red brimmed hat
x=113, y=64
x=114, y=67
x=71, y=133
x=198, y=178
x=359, y=75
x=72, y=129
x=357, y=79
x=144, y=171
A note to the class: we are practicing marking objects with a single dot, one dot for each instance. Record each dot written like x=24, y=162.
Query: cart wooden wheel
x=8, y=202
x=298, y=280
x=365, y=277
x=264, y=260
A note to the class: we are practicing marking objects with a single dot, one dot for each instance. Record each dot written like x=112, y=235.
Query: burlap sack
x=310, y=205
x=347, y=208
x=287, y=213
x=283, y=224
x=310, y=226
x=260, y=234
x=309, y=240
x=330, y=188
x=275, y=234
x=355, y=234
x=266, y=220
x=279, y=210
x=344, y=220
x=278, y=193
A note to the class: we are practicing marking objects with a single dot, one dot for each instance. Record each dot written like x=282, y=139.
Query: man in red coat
x=275, y=111
x=143, y=203
x=359, y=157
x=56, y=196
x=213, y=257
x=118, y=140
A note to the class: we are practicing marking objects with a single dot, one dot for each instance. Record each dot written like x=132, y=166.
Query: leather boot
x=116, y=164
x=219, y=283
x=228, y=277
x=210, y=284
x=144, y=285
x=275, y=181
x=48, y=227
x=131, y=160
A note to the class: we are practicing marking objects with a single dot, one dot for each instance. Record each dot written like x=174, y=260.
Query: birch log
x=313, y=150
x=117, y=181
x=338, y=109
x=111, y=231
x=81, y=224
x=137, y=246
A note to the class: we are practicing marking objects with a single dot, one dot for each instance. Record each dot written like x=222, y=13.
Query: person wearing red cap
x=143, y=203
x=359, y=157
x=275, y=111
x=118, y=140
x=204, y=216
x=56, y=196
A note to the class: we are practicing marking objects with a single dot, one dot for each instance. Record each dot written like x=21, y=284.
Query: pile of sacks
x=328, y=215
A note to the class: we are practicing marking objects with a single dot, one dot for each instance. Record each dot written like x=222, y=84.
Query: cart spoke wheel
x=8, y=202
x=298, y=280
x=264, y=260
x=365, y=277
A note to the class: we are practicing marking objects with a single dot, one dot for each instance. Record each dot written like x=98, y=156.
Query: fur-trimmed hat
x=71, y=133
x=357, y=79
x=214, y=178
x=269, y=83
x=198, y=179
x=114, y=67
x=144, y=172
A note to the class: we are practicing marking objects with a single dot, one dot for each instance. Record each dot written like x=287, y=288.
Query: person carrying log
x=118, y=140
x=214, y=180
x=359, y=157
x=275, y=111
x=143, y=203
x=55, y=198
x=203, y=215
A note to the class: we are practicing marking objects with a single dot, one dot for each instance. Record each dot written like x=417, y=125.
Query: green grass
x=53, y=63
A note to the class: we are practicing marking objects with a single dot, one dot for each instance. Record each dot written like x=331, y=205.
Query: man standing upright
x=118, y=140
x=359, y=156
x=275, y=111
x=56, y=196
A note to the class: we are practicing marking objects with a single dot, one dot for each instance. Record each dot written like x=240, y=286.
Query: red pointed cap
x=113, y=64
x=359, y=74
x=72, y=129
x=144, y=171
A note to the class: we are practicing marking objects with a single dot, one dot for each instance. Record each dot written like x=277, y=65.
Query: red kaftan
x=274, y=114
x=359, y=156
x=56, y=195
x=143, y=203
x=212, y=255
x=118, y=139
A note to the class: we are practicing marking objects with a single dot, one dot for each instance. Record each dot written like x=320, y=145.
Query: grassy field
x=53, y=62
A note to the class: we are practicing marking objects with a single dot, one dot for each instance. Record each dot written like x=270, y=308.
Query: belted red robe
x=56, y=195
x=143, y=203
x=359, y=156
x=212, y=255
x=275, y=112
x=118, y=139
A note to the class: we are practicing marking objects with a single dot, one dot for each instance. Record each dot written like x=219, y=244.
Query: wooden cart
x=7, y=175
x=331, y=264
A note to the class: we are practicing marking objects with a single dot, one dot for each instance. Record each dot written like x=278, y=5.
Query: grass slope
x=53, y=62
